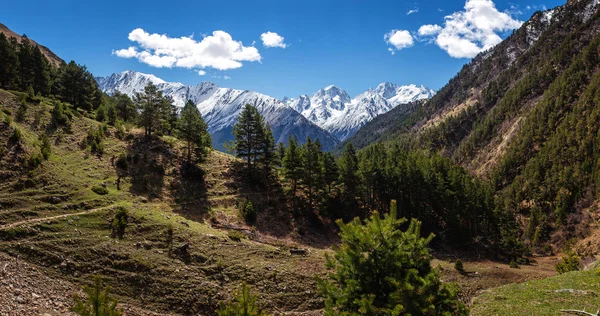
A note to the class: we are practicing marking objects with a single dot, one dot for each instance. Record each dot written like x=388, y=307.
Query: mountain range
x=329, y=115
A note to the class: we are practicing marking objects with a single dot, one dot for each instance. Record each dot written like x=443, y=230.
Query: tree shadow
x=280, y=214
x=147, y=163
x=189, y=191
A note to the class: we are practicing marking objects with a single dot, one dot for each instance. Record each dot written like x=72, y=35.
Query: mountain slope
x=51, y=56
x=220, y=107
x=332, y=108
x=524, y=115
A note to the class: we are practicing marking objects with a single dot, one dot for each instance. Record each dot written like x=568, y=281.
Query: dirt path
x=45, y=219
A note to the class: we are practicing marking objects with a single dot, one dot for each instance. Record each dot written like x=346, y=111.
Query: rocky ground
x=26, y=290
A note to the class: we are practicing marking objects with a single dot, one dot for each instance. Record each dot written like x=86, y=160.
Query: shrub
x=235, y=235
x=61, y=115
x=45, y=146
x=458, y=266
x=120, y=133
x=514, y=265
x=21, y=111
x=101, y=115
x=94, y=140
x=244, y=304
x=382, y=270
x=6, y=118
x=16, y=136
x=121, y=162
x=35, y=160
x=97, y=302
x=568, y=263
x=98, y=189
x=247, y=211
x=119, y=223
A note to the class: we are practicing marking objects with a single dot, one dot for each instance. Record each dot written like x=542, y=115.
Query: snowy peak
x=220, y=107
x=335, y=111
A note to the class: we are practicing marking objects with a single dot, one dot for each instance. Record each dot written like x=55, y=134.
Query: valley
x=141, y=196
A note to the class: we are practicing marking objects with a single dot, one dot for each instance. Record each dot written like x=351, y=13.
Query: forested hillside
x=523, y=116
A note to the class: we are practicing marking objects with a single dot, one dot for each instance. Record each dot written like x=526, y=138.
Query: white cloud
x=201, y=72
x=467, y=33
x=429, y=29
x=218, y=51
x=272, y=39
x=226, y=77
x=412, y=11
x=400, y=39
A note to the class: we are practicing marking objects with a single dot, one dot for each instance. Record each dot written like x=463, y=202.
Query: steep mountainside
x=524, y=115
x=220, y=107
x=332, y=108
x=52, y=58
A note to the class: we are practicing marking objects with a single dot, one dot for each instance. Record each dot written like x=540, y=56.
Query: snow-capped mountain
x=332, y=108
x=220, y=107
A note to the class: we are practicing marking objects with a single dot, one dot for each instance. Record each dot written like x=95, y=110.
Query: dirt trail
x=45, y=219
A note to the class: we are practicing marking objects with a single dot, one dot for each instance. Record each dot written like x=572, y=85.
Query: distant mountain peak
x=220, y=107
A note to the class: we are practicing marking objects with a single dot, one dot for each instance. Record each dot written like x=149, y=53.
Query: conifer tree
x=25, y=54
x=78, y=87
x=150, y=104
x=243, y=305
x=249, y=135
x=192, y=129
x=312, y=167
x=40, y=72
x=292, y=163
x=382, y=270
x=280, y=154
x=330, y=170
x=10, y=64
x=349, y=179
x=125, y=107
x=269, y=156
x=98, y=301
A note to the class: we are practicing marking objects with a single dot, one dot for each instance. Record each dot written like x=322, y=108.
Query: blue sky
x=353, y=44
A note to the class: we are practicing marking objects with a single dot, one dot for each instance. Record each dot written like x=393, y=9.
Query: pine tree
x=269, y=156
x=192, y=129
x=249, y=135
x=98, y=301
x=41, y=72
x=10, y=64
x=125, y=107
x=78, y=87
x=280, y=154
x=244, y=305
x=330, y=170
x=150, y=104
x=25, y=54
x=349, y=179
x=292, y=163
x=312, y=176
x=381, y=270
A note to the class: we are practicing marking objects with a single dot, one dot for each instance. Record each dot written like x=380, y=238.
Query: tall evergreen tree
x=349, y=180
x=249, y=135
x=292, y=163
x=280, y=154
x=269, y=155
x=78, y=87
x=25, y=54
x=150, y=104
x=125, y=107
x=312, y=176
x=330, y=170
x=192, y=129
x=10, y=64
x=40, y=71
